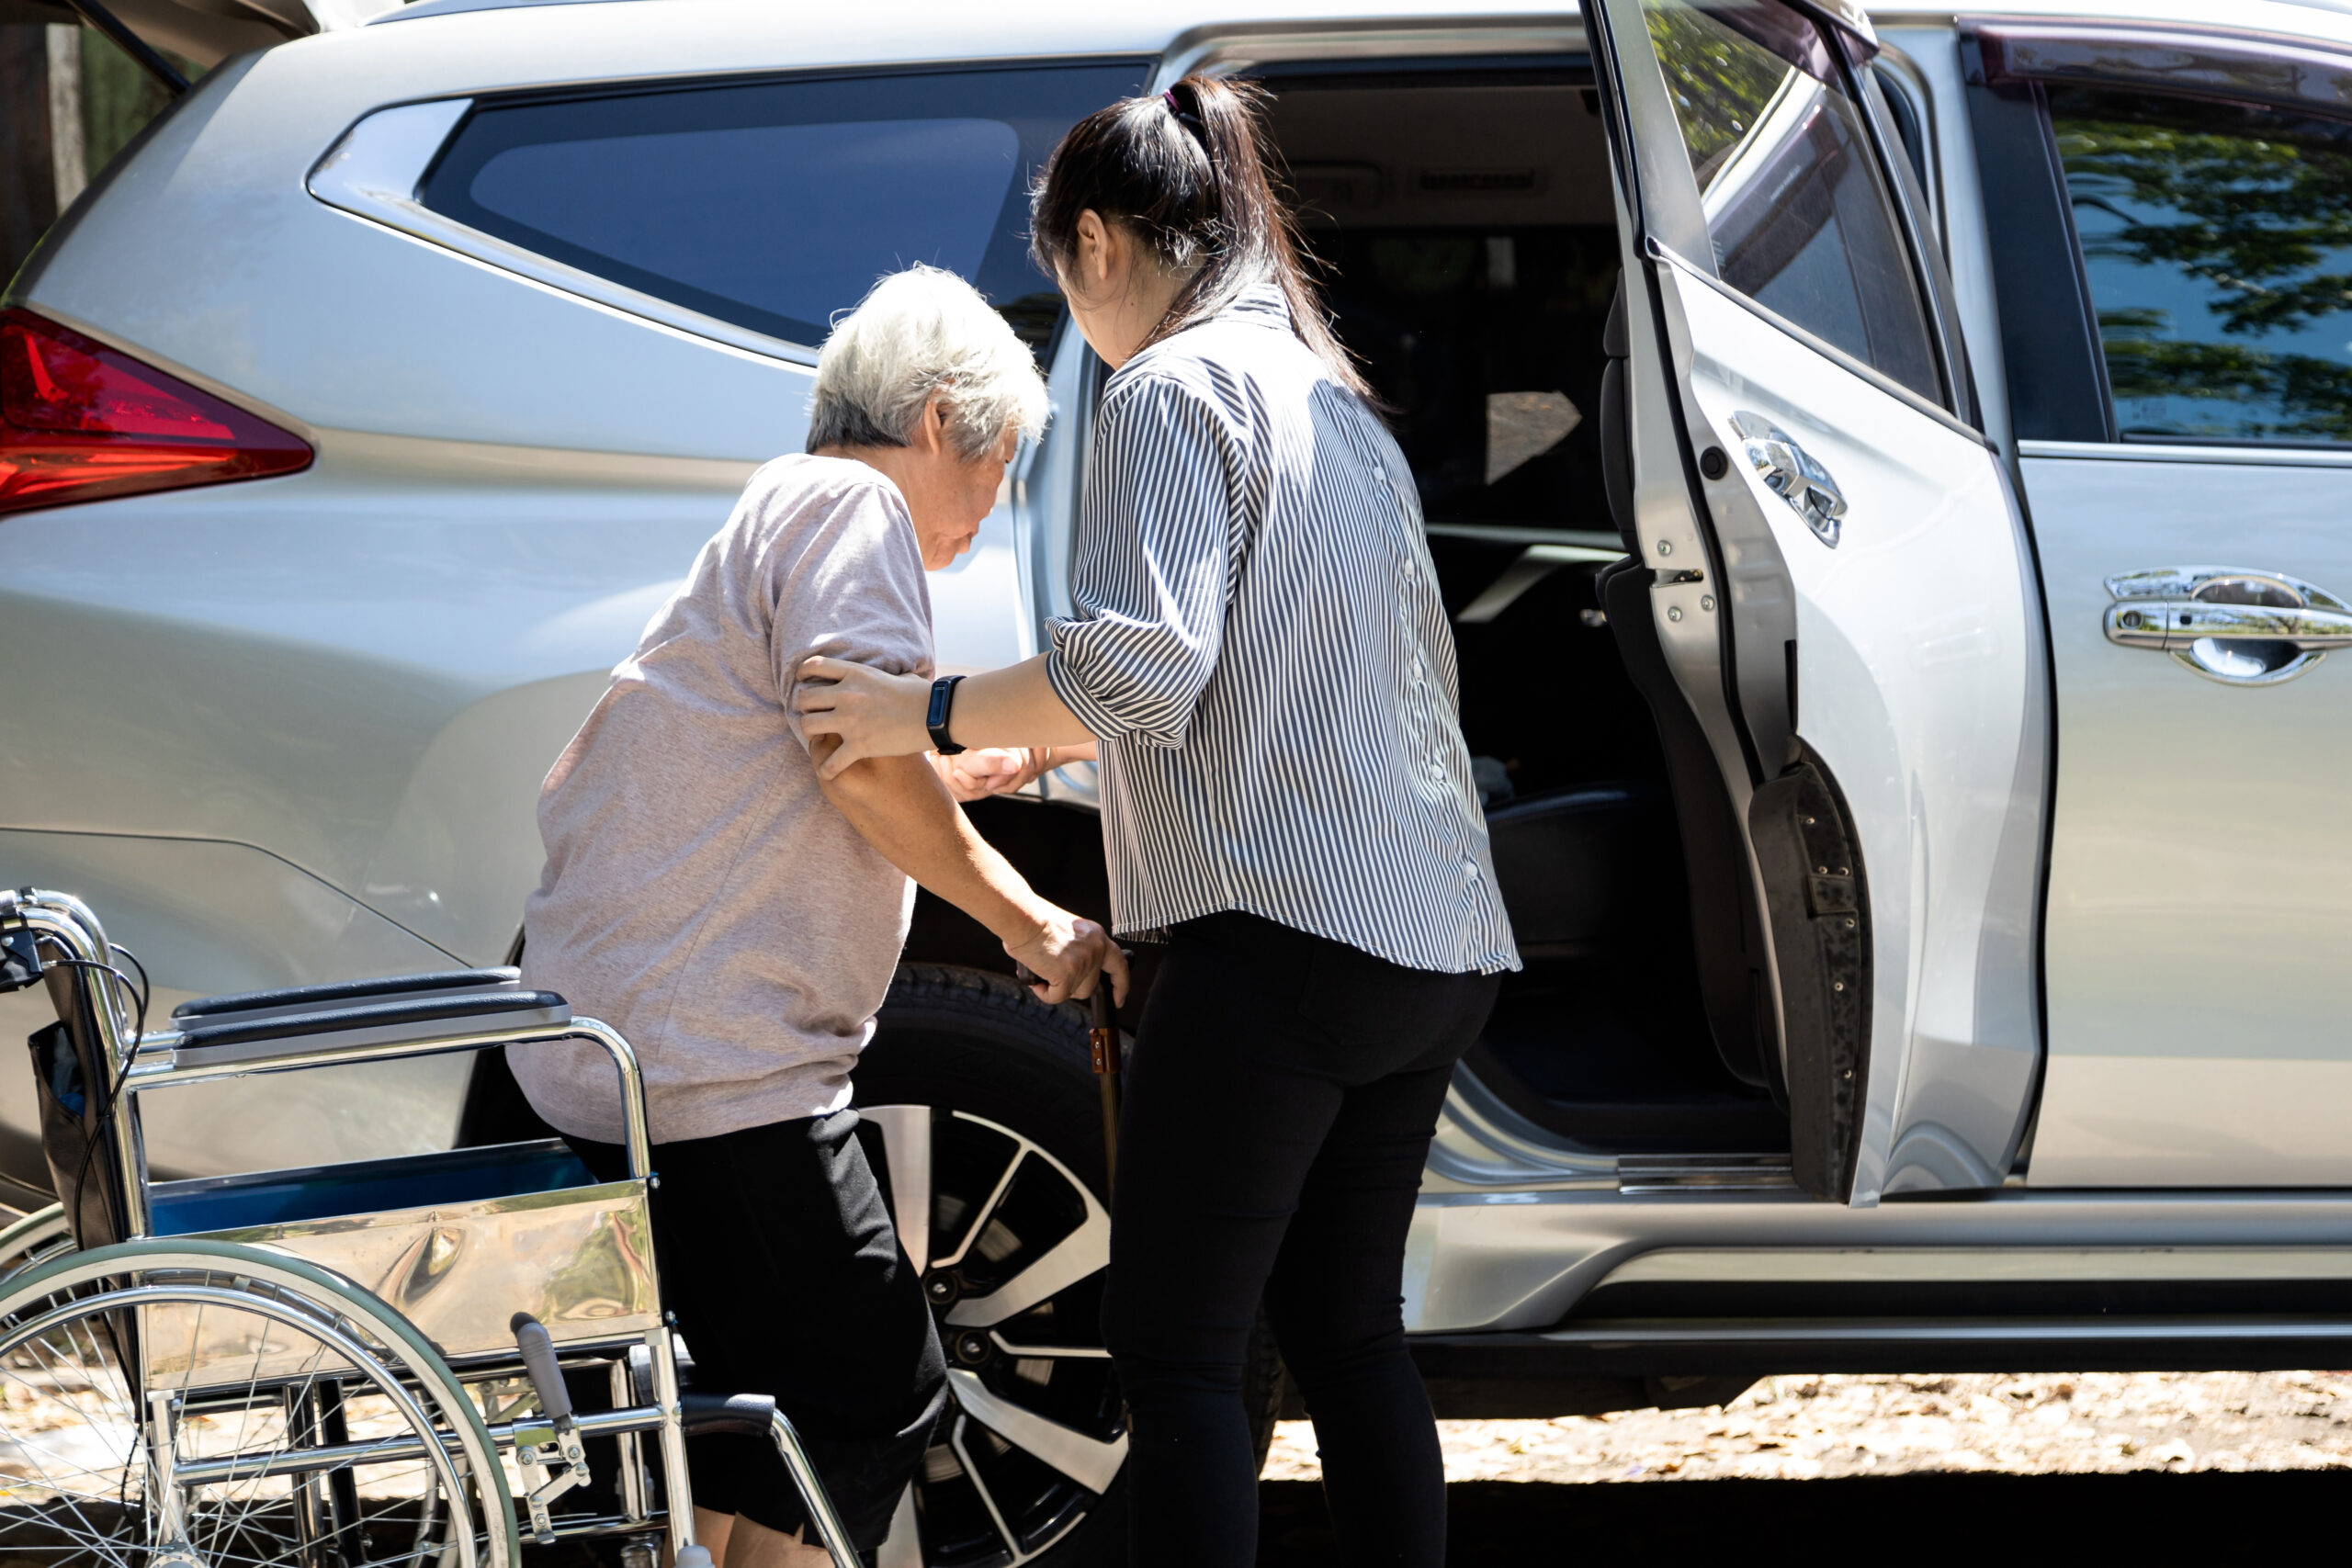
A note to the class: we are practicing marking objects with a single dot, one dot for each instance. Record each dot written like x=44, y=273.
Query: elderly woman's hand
x=875, y=715
x=981, y=771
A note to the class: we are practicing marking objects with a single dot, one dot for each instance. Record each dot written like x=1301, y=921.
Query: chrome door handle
x=1789, y=472
x=2241, y=628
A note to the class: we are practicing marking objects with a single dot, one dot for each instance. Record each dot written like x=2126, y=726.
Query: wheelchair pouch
x=73, y=1118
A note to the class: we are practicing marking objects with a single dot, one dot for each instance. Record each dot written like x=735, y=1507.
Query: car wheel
x=983, y=1119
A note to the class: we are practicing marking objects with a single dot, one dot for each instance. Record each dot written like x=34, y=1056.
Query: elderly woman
x=738, y=917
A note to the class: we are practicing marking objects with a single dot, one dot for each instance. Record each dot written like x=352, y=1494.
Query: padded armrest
x=257, y=1037
x=308, y=998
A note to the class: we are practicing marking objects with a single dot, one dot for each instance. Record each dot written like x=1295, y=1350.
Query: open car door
x=1839, y=580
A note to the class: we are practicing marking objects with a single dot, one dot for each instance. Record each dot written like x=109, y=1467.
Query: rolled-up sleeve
x=1153, y=565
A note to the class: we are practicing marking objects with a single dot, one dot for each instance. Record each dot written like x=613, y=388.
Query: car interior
x=1464, y=221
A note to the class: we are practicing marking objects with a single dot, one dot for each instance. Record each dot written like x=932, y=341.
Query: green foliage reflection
x=1720, y=81
x=2250, y=208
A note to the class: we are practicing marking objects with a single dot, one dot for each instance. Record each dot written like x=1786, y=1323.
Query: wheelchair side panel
x=580, y=1260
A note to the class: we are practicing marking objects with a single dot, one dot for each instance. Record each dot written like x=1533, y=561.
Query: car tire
x=1007, y=1079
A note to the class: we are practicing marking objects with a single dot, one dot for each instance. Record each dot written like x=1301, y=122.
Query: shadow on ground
x=1914, y=1519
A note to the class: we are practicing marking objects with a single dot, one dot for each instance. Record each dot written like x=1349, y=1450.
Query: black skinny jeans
x=1280, y=1099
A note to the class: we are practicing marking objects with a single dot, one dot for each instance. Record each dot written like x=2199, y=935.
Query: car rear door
x=1840, y=580
x=2170, y=219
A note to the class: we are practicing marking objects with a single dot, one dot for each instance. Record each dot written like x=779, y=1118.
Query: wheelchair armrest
x=309, y=998
x=257, y=1038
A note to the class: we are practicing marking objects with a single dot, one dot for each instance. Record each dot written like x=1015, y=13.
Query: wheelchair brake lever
x=556, y=1446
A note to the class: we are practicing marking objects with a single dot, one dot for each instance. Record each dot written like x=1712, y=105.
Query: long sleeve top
x=1261, y=645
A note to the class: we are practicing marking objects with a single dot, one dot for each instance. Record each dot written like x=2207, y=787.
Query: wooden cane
x=1102, y=1045
x=1104, y=1040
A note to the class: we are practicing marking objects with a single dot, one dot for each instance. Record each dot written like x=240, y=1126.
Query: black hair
x=1188, y=172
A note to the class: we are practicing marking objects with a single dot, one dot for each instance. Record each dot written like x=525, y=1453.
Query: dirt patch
x=1803, y=1428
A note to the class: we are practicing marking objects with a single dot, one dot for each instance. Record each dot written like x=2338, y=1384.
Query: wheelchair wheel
x=37, y=1237
x=198, y=1405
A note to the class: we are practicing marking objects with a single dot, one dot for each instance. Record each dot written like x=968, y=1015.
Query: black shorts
x=779, y=1260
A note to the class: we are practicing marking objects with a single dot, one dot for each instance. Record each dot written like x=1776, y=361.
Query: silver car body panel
x=391, y=645
x=2200, y=890
x=1519, y=1259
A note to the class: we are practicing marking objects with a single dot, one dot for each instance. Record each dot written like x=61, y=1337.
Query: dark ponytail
x=1187, y=171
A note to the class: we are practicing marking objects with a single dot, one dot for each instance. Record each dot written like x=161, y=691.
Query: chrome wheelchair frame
x=501, y=1270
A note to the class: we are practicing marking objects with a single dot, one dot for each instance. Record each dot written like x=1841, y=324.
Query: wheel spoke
x=986, y=1211
x=1048, y=1352
x=988, y=1498
x=906, y=1148
x=220, y=1405
x=1065, y=1263
x=1088, y=1461
x=902, y=1548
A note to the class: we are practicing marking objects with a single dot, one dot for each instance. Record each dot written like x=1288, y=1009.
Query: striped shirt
x=1261, y=645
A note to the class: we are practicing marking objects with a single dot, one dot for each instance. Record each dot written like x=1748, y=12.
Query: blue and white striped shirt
x=1262, y=647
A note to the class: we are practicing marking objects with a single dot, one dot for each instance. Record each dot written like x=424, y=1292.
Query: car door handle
x=2241, y=628
x=1790, y=472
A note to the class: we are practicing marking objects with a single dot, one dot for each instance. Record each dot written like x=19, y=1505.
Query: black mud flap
x=1819, y=905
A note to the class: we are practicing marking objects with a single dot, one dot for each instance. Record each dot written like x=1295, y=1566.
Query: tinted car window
x=1796, y=205
x=774, y=205
x=2218, y=242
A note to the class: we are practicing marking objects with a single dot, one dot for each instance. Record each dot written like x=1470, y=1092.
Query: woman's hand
x=999, y=770
x=875, y=715
x=977, y=773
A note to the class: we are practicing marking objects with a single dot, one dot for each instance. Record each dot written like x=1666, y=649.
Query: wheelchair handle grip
x=538, y=1360
x=748, y=1414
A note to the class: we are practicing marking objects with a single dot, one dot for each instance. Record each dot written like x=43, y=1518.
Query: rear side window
x=1799, y=212
x=774, y=205
x=2217, y=239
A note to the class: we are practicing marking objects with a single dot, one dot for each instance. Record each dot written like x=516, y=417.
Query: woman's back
x=1263, y=647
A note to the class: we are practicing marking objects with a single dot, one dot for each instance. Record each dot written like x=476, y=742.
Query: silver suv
x=1889, y=478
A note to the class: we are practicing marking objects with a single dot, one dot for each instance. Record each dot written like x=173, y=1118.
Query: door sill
x=1708, y=1173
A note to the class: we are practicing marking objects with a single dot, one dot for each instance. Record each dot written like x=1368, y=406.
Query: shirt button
x=1380, y=473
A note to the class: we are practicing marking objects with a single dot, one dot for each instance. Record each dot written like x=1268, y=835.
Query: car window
x=775, y=205
x=1796, y=206
x=2217, y=239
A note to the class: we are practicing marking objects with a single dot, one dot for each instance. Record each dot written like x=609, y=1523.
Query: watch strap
x=942, y=702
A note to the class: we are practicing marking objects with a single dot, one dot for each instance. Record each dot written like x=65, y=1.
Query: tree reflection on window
x=2218, y=241
x=1796, y=212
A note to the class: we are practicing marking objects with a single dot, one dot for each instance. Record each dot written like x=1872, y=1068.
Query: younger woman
x=1261, y=651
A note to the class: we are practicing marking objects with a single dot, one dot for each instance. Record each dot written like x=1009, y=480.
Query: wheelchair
x=353, y=1366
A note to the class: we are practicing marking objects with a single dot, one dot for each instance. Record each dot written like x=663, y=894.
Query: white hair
x=917, y=332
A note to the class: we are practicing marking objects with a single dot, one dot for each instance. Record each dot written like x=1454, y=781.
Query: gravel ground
x=1807, y=1427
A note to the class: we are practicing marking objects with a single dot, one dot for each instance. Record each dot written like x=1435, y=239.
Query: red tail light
x=80, y=422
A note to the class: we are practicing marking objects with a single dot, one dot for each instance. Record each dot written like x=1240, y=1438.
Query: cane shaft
x=1104, y=1040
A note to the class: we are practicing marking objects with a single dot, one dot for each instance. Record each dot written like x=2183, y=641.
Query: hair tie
x=1190, y=121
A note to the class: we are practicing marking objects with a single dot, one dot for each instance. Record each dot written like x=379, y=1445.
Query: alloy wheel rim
x=1011, y=1246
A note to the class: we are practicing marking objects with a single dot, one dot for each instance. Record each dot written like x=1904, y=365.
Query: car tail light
x=82, y=422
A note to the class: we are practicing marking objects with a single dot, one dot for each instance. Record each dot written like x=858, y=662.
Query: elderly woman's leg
x=778, y=1255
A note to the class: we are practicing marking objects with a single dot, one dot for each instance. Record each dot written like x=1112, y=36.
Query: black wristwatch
x=943, y=698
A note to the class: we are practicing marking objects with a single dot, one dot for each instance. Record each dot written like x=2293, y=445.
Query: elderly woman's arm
x=898, y=805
